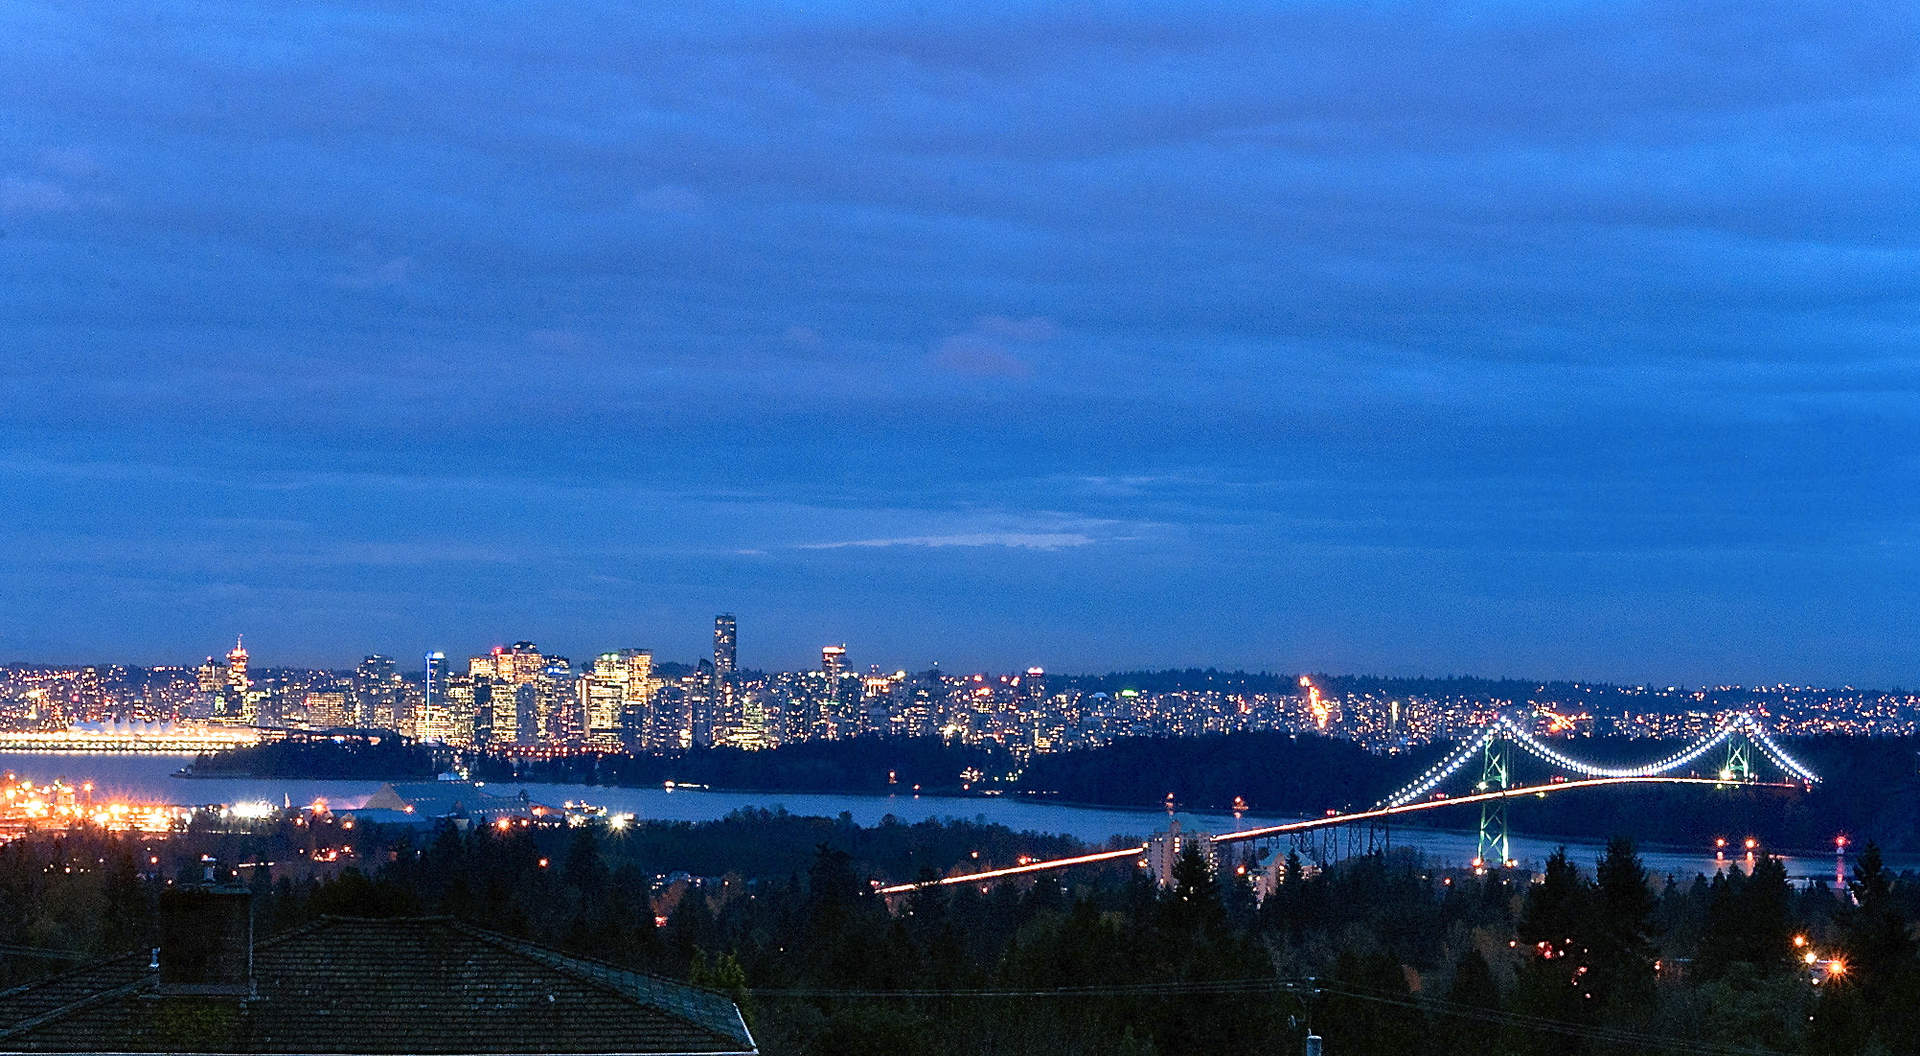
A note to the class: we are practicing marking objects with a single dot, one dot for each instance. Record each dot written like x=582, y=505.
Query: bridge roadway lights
x=1493, y=742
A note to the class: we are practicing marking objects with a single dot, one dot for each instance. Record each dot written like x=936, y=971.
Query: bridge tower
x=1494, y=776
x=1739, y=762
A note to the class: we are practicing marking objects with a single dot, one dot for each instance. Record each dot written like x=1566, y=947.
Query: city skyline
x=1573, y=341
x=708, y=640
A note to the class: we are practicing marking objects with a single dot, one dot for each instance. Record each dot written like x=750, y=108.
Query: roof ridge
x=86, y=1001
x=85, y=966
x=424, y=918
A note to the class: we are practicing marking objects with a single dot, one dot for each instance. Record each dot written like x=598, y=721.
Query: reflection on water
x=148, y=778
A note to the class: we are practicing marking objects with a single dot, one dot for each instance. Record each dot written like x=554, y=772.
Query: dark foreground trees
x=1377, y=954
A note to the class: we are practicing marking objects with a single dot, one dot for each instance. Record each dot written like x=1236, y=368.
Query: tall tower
x=833, y=661
x=435, y=721
x=725, y=641
x=237, y=679
x=233, y=694
x=436, y=688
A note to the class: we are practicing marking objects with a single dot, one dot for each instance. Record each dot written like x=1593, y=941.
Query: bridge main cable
x=1504, y=726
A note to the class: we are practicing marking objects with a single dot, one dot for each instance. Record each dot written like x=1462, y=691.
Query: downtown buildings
x=519, y=698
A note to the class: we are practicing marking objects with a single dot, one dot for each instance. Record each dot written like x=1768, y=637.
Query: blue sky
x=1558, y=340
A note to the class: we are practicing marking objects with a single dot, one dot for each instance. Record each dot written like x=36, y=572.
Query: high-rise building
x=435, y=695
x=519, y=664
x=512, y=701
x=237, y=679
x=211, y=676
x=463, y=710
x=235, y=685
x=725, y=645
x=616, y=695
x=833, y=661
x=433, y=721
x=326, y=710
x=376, y=692
x=559, y=718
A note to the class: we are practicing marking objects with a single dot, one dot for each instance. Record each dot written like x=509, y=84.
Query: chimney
x=206, y=941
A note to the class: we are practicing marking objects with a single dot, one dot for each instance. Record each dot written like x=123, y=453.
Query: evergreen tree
x=1749, y=920
x=1621, y=939
x=1472, y=987
x=1557, y=908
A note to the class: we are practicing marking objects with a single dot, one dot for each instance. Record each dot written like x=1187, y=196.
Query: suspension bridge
x=1741, y=740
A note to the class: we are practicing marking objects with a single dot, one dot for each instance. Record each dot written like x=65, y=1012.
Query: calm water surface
x=149, y=778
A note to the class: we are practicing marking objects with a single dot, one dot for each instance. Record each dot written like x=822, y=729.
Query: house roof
x=347, y=985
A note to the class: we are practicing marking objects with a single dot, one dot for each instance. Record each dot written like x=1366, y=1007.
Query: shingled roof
x=348, y=985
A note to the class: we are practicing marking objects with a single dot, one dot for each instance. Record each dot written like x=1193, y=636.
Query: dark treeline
x=1595, y=958
x=390, y=759
x=855, y=766
x=1273, y=771
x=1195, y=679
x=865, y=765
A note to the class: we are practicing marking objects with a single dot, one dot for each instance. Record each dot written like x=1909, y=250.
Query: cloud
x=19, y=196
x=978, y=356
x=1010, y=540
x=668, y=198
x=1601, y=279
x=389, y=274
x=1034, y=328
x=75, y=163
x=987, y=351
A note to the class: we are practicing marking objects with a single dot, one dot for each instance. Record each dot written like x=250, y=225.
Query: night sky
x=1544, y=340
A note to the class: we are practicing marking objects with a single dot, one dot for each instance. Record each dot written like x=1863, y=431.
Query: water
x=149, y=778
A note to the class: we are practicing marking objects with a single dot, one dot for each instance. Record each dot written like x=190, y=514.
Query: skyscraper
x=725, y=639
x=435, y=721
x=233, y=697
x=833, y=663
x=436, y=685
x=617, y=694
x=376, y=692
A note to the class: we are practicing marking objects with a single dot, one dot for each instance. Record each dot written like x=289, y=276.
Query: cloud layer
x=1568, y=339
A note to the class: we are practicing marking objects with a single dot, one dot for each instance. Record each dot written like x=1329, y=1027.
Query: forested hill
x=1194, y=679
